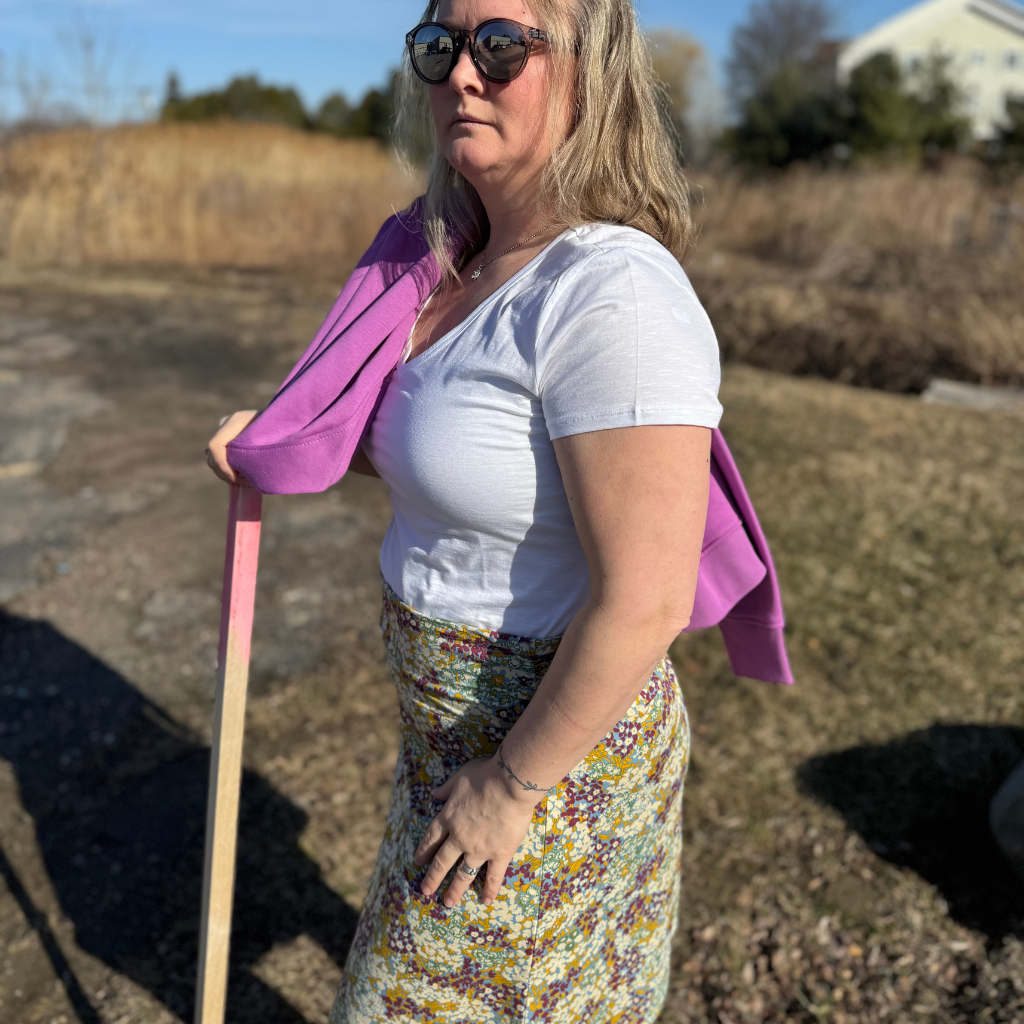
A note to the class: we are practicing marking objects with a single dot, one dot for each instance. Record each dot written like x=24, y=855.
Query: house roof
x=1009, y=15
x=1005, y=13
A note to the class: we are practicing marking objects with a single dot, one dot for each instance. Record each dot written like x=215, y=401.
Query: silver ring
x=467, y=870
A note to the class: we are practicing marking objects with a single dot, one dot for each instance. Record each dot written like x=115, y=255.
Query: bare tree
x=3, y=89
x=776, y=33
x=91, y=56
x=35, y=90
x=677, y=60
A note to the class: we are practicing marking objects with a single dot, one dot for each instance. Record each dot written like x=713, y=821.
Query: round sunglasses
x=499, y=49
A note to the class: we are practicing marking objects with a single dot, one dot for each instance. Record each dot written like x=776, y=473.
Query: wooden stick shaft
x=237, y=603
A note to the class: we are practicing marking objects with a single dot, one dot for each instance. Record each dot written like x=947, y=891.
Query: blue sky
x=317, y=45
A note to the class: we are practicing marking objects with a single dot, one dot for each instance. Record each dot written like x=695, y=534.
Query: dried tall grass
x=807, y=215
x=883, y=277
x=242, y=195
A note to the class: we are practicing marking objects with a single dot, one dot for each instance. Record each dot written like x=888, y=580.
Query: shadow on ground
x=117, y=793
x=921, y=802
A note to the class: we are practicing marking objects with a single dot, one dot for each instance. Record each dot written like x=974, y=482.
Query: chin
x=470, y=157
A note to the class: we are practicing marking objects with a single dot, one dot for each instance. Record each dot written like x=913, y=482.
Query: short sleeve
x=623, y=341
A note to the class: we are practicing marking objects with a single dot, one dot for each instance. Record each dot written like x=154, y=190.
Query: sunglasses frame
x=460, y=36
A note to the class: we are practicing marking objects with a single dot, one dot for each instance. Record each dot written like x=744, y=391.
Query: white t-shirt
x=601, y=329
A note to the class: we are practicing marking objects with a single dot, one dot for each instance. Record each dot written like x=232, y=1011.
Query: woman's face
x=494, y=134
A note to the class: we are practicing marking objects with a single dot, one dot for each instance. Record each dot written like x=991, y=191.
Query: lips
x=466, y=119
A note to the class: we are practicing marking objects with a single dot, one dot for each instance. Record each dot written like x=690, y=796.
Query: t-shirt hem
x=692, y=416
x=446, y=607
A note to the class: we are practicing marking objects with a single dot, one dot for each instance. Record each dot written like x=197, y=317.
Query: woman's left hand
x=483, y=821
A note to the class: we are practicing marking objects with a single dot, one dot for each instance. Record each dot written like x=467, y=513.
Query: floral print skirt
x=582, y=929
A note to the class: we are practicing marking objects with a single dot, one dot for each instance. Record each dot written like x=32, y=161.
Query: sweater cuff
x=756, y=651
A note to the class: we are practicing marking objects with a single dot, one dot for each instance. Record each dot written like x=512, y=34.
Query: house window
x=1014, y=60
x=978, y=58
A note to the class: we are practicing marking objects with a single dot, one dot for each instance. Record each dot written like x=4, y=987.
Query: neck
x=513, y=213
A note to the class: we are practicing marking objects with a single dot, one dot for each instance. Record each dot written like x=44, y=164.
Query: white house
x=983, y=38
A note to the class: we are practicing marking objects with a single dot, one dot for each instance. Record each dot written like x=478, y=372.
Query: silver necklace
x=476, y=273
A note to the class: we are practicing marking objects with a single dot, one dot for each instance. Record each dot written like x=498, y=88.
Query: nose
x=464, y=76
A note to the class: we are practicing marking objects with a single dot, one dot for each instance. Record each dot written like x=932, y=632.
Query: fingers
x=439, y=867
x=477, y=827
x=436, y=831
x=217, y=450
x=493, y=880
x=465, y=874
x=430, y=843
x=444, y=791
x=216, y=459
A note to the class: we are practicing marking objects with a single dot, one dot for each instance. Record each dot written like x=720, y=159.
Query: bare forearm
x=603, y=662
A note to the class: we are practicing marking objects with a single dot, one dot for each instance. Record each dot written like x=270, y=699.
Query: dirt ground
x=838, y=865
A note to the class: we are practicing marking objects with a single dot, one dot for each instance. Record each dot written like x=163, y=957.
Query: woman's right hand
x=217, y=448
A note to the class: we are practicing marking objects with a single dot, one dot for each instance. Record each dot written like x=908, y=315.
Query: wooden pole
x=237, y=602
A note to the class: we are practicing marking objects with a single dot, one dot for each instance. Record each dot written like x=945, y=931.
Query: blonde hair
x=617, y=163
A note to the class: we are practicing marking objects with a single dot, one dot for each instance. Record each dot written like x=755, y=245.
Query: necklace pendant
x=476, y=273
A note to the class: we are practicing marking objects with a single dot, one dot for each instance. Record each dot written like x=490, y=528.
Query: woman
x=545, y=441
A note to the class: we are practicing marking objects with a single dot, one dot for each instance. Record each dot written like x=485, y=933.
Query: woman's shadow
x=117, y=793
x=921, y=802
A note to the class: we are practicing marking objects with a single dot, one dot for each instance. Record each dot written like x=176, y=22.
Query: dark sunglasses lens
x=432, y=50
x=500, y=49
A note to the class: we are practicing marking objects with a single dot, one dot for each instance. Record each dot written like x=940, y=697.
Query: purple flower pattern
x=582, y=928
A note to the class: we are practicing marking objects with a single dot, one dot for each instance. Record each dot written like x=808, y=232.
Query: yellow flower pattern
x=582, y=928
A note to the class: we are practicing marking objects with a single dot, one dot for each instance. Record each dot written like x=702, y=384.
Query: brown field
x=837, y=864
x=881, y=277
x=194, y=195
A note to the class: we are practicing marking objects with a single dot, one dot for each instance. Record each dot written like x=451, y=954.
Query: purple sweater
x=305, y=438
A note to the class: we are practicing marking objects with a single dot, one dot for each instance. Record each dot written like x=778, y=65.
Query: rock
x=974, y=396
x=1006, y=816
